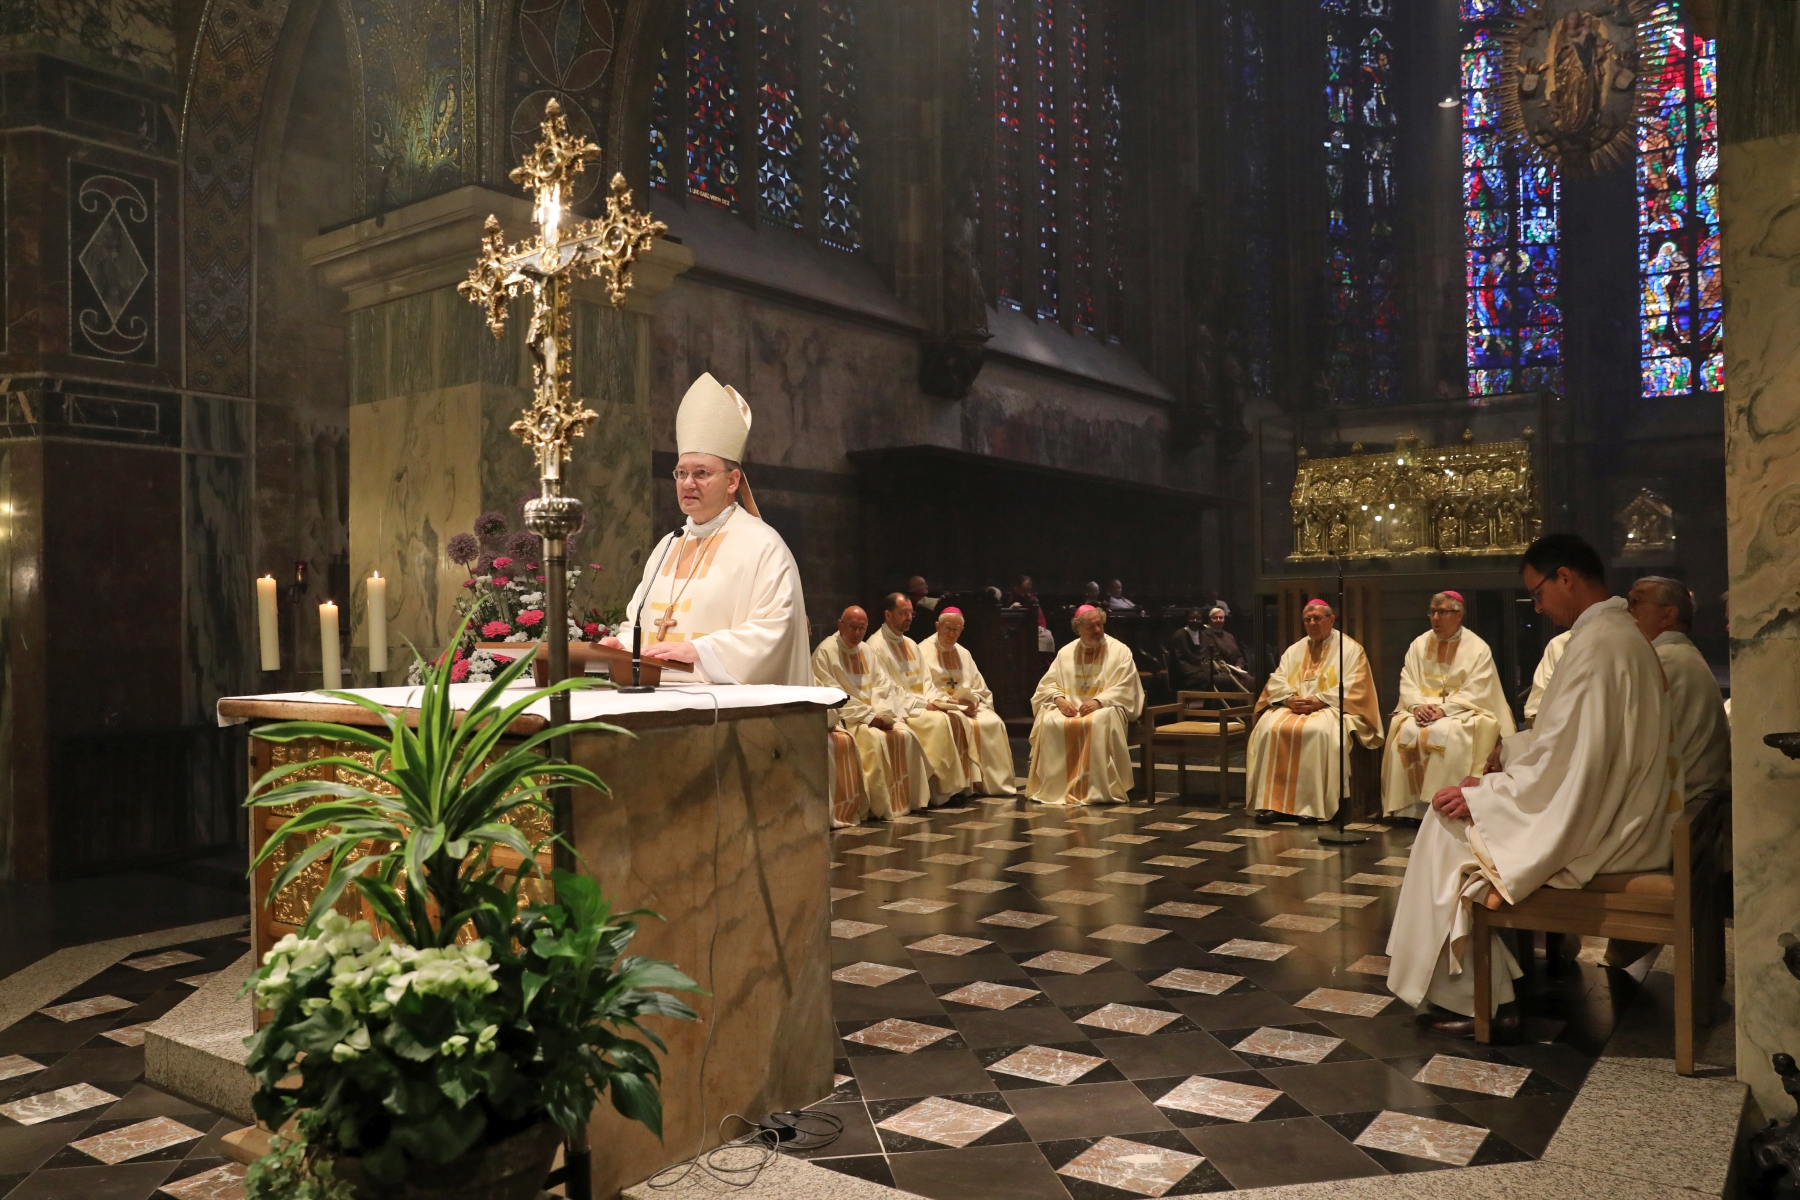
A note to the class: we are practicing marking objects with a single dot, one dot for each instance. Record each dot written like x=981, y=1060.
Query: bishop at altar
x=944, y=736
x=888, y=769
x=721, y=593
x=1085, y=705
x=957, y=684
x=1451, y=711
x=1296, y=765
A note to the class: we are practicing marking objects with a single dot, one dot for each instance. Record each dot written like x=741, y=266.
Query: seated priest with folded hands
x=1590, y=789
x=942, y=732
x=1297, y=765
x=1085, y=705
x=957, y=686
x=1451, y=713
x=895, y=778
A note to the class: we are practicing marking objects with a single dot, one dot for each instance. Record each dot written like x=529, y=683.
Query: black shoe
x=1502, y=1030
x=1267, y=816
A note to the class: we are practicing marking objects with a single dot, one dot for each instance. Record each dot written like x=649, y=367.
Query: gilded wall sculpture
x=1474, y=499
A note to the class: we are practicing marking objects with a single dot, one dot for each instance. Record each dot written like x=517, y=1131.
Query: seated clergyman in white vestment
x=1591, y=789
x=943, y=735
x=1296, y=765
x=1540, y=678
x=1084, y=708
x=722, y=593
x=1451, y=712
x=894, y=775
x=1664, y=610
x=957, y=685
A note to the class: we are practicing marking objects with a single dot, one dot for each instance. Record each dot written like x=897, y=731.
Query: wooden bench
x=1684, y=907
x=1209, y=722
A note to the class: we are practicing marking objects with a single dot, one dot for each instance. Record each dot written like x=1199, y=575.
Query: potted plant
x=447, y=1047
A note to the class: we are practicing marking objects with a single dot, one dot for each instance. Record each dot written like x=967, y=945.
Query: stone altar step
x=196, y=1050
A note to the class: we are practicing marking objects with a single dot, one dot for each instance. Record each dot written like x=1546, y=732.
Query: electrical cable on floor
x=813, y=1129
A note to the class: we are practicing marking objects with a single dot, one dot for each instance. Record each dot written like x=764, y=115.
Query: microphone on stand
x=638, y=686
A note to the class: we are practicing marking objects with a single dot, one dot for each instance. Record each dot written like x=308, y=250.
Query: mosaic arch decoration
x=1510, y=226
x=757, y=111
x=1681, y=304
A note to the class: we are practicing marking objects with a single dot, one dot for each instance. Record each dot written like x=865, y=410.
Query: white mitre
x=713, y=419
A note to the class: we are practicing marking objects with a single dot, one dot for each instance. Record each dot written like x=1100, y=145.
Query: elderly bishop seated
x=957, y=685
x=1451, y=712
x=1085, y=705
x=943, y=734
x=722, y=592
x=894, y=773
x=1296, y=765
x=1590, y=789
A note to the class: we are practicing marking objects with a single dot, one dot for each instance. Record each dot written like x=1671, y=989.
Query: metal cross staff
x=543, y=267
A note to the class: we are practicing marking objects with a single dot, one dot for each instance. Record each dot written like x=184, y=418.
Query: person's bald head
x=853, y=625
x=917, y=589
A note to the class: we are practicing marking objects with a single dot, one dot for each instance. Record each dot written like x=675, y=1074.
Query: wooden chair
x=1209, y=722
x=1684, y=906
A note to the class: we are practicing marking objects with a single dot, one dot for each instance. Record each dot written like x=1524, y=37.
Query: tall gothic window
x=1054, y=195
x=754, y=110
x=1509, y=230
x=1247, y=120
x=1680, y=305
x=1362, y=309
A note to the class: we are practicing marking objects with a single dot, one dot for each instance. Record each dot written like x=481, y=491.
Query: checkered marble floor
x=77, y=1122
x=1158, y=1000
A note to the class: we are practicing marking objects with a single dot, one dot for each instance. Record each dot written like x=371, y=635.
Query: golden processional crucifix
x=543, y=268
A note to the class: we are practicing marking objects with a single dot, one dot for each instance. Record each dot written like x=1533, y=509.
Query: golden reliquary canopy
x=1476, y=498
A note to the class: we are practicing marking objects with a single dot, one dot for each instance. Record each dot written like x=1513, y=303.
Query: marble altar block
x=718, y=819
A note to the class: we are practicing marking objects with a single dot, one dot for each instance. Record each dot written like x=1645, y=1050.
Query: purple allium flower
x=490, y=525
x=485, y=565
x=523, y=545
x=464, y=549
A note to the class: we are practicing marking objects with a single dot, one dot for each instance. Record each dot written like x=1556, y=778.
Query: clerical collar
x=711, y=527
x=1453, y=637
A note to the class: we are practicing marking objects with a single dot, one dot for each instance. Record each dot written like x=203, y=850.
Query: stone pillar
x=432, y=397
x=1760, y=203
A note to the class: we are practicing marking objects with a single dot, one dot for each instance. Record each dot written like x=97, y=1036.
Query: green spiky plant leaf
x=406, y=1048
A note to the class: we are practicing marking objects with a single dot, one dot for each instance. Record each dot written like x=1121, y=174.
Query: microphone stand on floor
x=1337, y=835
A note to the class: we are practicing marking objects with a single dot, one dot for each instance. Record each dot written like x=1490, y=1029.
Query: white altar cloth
x=595, y=704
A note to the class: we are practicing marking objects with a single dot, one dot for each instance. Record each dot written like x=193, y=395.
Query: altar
x=718, y=819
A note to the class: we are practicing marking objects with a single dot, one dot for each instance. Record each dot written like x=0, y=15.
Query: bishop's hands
x=1425, y=714
x=1450, y=804
x=1305, y=704
x=681, y=652
x=880, y=722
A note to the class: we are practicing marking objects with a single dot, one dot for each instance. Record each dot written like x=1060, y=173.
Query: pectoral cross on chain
x=665, y=623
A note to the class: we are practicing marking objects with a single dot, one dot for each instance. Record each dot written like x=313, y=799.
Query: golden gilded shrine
x=1476, y=499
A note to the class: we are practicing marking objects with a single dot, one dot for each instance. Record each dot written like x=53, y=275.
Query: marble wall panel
x=220, y=601
x=738, y=873
x=430, y=340
x=1760, y=202
x=415, y=480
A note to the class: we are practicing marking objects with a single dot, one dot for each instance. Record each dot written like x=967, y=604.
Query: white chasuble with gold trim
x=945, y=737
x=1086, y=759
x=1457, y=675
x=955, y=679
x=1593, y=788
x=730, y=587
x=895, y=777
x=1294, y=758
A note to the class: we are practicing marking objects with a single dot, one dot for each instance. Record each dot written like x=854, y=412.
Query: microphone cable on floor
x=724, y=1164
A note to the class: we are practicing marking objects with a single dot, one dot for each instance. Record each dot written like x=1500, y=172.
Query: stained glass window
x=1514, y=323
x=1680, y=304
x=1112, y=175
x=1362, y=363
x=841, y=219
x=1009, y=140
x=778, y=114
x=1247, y=123
x=1051, y=194
x=699, y=113
x=712, y=132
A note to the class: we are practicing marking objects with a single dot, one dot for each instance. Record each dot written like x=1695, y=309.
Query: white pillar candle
x=328, y=645
x=268, y=624
x=378, y=647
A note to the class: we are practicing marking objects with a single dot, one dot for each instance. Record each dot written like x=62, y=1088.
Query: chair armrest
x=1160, y=710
